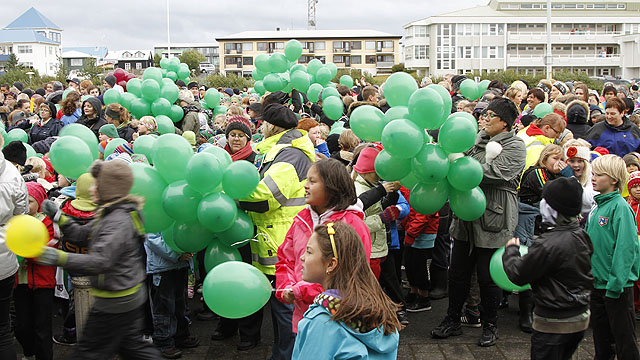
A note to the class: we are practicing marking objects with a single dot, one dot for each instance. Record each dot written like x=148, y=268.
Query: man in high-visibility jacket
x=288, y=154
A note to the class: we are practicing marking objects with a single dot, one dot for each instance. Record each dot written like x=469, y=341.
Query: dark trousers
x=442, y=246
x=545, y=346
x=7, y=350
x=281, y=317
x=168, y=308
x=463, y=262
x=108, y=334
x=614, y=327
x=389, y=280
x=415, y=263
x=34, y=312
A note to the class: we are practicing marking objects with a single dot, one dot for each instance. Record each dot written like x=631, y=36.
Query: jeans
x=108, y=334
x=463, y=262
x=416, y=267
x=545, y=346
x=7, y=350
x=526, y=223
x=34, y=313
x=614, y=327
x=442, y=246
x=170, y=325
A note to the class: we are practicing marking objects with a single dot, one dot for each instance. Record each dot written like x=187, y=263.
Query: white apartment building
x=586, y=35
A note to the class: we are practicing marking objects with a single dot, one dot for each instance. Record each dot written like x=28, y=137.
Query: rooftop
x=32, y=19
x=187, y=45
x=308, y=34
x=23, y=36
x=88, y=51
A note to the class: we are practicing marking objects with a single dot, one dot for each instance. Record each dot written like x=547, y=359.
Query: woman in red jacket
x=330, y=196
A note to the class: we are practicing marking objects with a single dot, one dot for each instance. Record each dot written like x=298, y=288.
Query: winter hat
x=180, y=84
x=623, y=90
x=631, y=159
x=256, y=106
x=505, y=109
x=192, y=84
x=43, y=146
x=279, y=115
x=228, y=91
x=52, y=108
x=207, y=134
x=601, y=150
x=40, y=91
x=366, y=160
x=123, y=149
x=149, y=122
x=114, y=179
x=564, y=195
x=57, y=85
x=634, y=179
x=456, y=81
x=18, y=85
x=186, y=96
x=28, y=91
x=481, y=106
x=526, y=120
x=109, y=130
x=577, y=112
x=562, y=87
x=577, y=152
x=332, y=143
x=238, y=122
x=37, y=192
x=190, y=136
x=111, y=80
x=15, y=152
x=83, y=200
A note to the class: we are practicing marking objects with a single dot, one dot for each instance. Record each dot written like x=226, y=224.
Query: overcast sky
x=139, y=24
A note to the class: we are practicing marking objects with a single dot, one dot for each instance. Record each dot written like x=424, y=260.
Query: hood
x=572, y=117
x=97, y=105
x=627, y=125
x=356, y=104
x=332, y=215
x=295, y=137
x=533, y=130
x=195, y=104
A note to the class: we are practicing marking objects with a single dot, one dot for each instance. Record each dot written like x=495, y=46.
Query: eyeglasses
x=237, y=136
x=491, y=115
x=332, y=232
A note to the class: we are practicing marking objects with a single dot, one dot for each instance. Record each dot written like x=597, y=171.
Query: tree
x=156, y=60
x=12, y=62
x=193, y=58
x=62, y=71
x=91, y=71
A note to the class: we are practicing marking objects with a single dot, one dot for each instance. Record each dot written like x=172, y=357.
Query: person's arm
x=403, y=204
x=507, y=165
x=323, y=149
x=285, y=267
x=526, y=269
x=372, y=196
x=19, y=195
x=625, y=252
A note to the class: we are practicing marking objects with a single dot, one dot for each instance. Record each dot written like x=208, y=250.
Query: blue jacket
x=70, y=119
x=619, y=140
x=321, y=338
x=323, y=149
x=393, y=227
x=160, y=257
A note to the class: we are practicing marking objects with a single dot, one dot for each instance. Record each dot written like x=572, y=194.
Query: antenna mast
x=311, y=14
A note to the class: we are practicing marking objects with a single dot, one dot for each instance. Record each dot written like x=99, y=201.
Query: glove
x=390, y=214
x=492, y=151
x=53, y=212
x=52, y=257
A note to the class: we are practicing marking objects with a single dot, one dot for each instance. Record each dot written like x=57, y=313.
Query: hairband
x=332, y=232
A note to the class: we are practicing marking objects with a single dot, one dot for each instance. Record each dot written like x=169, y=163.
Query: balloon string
x=243, y=241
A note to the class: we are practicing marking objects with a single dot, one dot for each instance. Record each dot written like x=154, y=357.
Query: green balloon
x=330, y=91
x=333, y=70
x=30, y=152
x=183, y=71
x=323, y=75
x=457, y=135
x=65, y=93
x=313, y=66
x=239, y=233
x=431, y=164
x=395, y=113
x=112, y=145
x=17, y=134
x=235, y=289
x=402, y=138
x=204, y=172
x=221, y=154
x=297, y=67
x=171, y=153
x=150, y=90
x=83, y=133
x=262, y=63
x=212, y=98
x=272, y=83
x=446, y=101
x=144, y=145
x=499, y=276
x=429, y=198
x=219, y=110
x=140, y=108
x=398, y=88
x=191, y=237
x=218, y=253
x=165, y=125
x=293, y=50
x=164, y=63
x=367, y=122
x=174, y=64
x=300, y=81
x=331, y=84
x=111, y=96
x=180, y=201
x=152, y=73
x=313, y=94
x=466, y=116
x=540, y=110
x=391, y=169
x=333, y=107
x=257, y=74
x=240, y=179
x=217, y=212
x=126, y=99
x=134, y=86
x=465, y=173
x=346, y=80
x=278, y=63
x=176, y=114
x=409, y=181
x=149, y=184
x=161, y=106
x=70, y=166
x=170, y=92
x=259, y=87
x=468, y=205
x=482, y=87
x=167, y=237
x=426, y=108
x=469, y=89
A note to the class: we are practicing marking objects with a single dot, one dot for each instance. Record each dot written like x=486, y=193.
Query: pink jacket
x=289, y=266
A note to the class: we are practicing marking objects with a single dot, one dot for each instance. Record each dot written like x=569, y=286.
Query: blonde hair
x=348, y=140
x=584, y=178
x=614, y=167
x=520, y=86
x=324, y=131
x=551, y=149
x=38, y=164
x=235, y=110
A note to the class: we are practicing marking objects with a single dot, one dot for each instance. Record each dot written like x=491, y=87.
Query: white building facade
x=512, y=35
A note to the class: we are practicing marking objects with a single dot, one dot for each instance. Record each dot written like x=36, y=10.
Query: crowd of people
x=348, y=257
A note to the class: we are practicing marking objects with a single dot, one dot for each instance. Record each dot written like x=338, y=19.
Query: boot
x=439, y=280
x=526, y=311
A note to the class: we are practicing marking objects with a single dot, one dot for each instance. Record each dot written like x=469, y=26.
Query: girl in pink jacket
x=331, y=196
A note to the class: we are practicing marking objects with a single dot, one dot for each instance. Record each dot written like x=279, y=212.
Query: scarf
x=240, y=154
x=330, y=300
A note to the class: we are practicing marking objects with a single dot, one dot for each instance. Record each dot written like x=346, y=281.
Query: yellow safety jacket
x=279, y=195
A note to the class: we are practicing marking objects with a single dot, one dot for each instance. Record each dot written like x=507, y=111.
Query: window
x=280, y=45
x=76, y=62
x=50, y=50
x=370, y=45
x=339, y=59
x=356, y=45
x=409, y=31
x=230, y=60
x=248, y=46
x=320, y=45
x=476, y=52
x=569, y=6
x=385, y=58
x=25, y=49
x=385, y=44
x=599, y=6
x=421, y=31
x=408, y=53
x=127, y=66
x=421, y=52
x=54, y=36
x=338, y=45
x=138, y=65
x=247, y=61
x=612, y=6
x=230, y=46
x=262, y=46
x=556, y=6
x=370, y=59
x=356, y=59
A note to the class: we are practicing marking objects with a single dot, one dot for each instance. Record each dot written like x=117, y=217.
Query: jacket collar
x=533, y=130
x=603, y=198
x=293, y=138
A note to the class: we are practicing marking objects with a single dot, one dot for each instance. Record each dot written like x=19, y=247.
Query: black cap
x=256, y=106
x=279, y=115
x=15, y=152
x=505, y=109
x=564, y=195
x=192, y=84
x=180, y=83
x=74, y=80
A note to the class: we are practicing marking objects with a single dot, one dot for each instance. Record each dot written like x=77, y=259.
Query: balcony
x=384, y=50
x=563, y=37
x=563, y=60
x=384, y=64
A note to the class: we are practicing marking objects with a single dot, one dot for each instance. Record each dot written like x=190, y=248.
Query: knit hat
x=180, y=84
x=526, y=120
x=505, y=109
x=256, y=106
x=111, y=80
x=577, y=152
x=186, y=96
x=57, y=85
x=562, y=87
x=15, y=152
x=123, y=149
x=601, y=150
x=366, y=160
x=83, y=200
x=40, y=91
x=279, y=115
x=577, y=112
x=37, y=192
x=190, y=136
x=207, y=133
x=114, y=179
x=149, y=122
x=109, y=130
x=238, y=122
x=564, y=195
x=634, y=179
x=192, y=84
x=18, y=85
x=228, y=91
x=631, y=159
x=456, y=81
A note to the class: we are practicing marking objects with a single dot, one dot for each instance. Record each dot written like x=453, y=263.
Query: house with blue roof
x=35, y=40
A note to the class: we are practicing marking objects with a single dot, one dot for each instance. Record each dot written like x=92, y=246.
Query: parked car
x=207, y=68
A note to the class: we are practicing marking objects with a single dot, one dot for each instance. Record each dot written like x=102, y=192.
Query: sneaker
x=489, y=335
x=402, y=317
x=218, y=335
x=205, y=315
x=247, y=345
x=448, y=327
x=171, y=353
x=64, y=339
x=188, y=343
x=410, y=298
x=147, y=338
x=422, y=303
x=504, y=302
x=470, y=317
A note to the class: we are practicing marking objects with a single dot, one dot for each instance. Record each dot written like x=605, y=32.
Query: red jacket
x=635, y=205
x=40, y=276
x=289, y=266
x=415, y=223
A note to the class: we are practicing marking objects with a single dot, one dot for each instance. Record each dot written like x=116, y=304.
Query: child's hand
x=185, y=257
x=392, y=186
x=288, y=296
x=513, y=241
x=559, y=166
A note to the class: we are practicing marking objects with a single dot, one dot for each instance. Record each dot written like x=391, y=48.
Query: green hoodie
x=616, y=255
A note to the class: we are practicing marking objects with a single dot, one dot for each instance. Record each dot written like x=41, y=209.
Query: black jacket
x=97, y=122
x=558, y=267
x=126, y=133
x=41, y=132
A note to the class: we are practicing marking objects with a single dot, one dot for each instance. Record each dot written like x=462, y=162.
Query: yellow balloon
x=26, y=236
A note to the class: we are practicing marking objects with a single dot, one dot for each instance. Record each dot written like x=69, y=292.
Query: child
x=33, y=295
x=107, y=132
x=558, y=267
x=314, y=133
x=615, y=262
x=353, y=318
x=330, y=196
x=634, y=201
